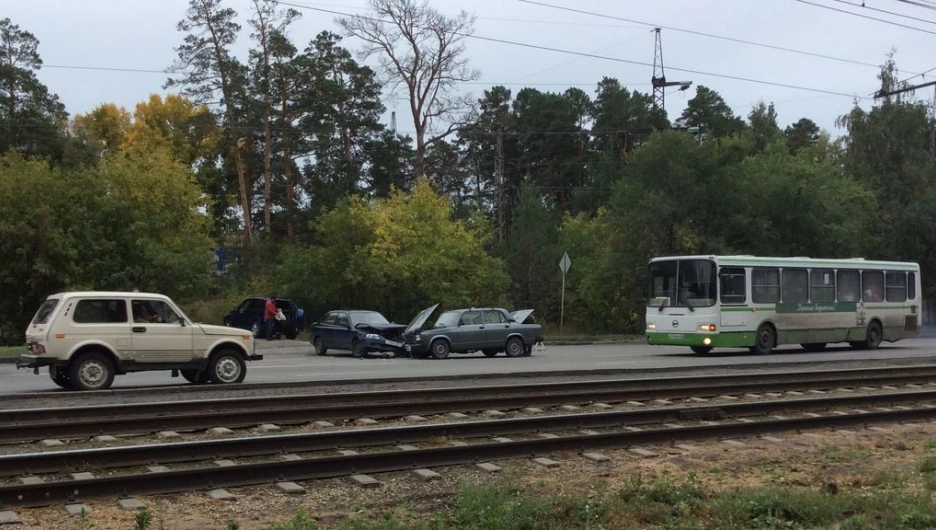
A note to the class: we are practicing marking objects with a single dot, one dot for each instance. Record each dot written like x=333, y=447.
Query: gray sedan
x=490, y=330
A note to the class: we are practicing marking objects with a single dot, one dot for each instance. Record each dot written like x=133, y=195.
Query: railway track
x=722, y=421
x=18, y=425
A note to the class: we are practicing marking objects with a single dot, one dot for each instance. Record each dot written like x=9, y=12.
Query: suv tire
x=197, y=377
x=227, y=367
x=91, y=371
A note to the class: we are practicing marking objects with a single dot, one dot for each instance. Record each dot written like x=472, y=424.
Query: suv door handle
x=139, y=329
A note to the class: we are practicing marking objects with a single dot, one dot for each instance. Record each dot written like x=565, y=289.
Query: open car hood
x=381, y=327
x=521, y=315
x=418, y=322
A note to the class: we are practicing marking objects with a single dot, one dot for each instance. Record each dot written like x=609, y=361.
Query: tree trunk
x=267, y=178
x=242, y=184
x=290, y=209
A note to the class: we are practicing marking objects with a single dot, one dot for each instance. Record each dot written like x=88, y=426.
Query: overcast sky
x=141, y=34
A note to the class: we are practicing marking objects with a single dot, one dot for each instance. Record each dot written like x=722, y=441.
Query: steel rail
x=129, y=456
x=32, y=424
x=49, y=493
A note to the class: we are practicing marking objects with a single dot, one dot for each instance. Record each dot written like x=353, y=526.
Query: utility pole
x=658, y=80
x=393, y=122
x=887, y=93
x=499, y=187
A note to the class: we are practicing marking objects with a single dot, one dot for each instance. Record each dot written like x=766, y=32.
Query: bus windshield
x=682, y=283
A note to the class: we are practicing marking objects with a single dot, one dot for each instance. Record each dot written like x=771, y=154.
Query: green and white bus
x=707, y=302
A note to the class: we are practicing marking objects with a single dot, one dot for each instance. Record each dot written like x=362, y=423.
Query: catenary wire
x=703, y=34
x=596, y=56
x=867, y=17
x=879, y=10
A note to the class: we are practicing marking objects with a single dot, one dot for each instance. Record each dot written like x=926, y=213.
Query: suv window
x=45, y=311
x=154, y=312
x=330, y=319
x=257, y=304
x=100, y=312
x=493, y=316
x=471, y=318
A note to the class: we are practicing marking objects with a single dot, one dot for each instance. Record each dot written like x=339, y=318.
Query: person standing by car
x=269, y=317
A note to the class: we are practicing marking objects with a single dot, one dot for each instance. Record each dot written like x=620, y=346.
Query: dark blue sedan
x=361, y=332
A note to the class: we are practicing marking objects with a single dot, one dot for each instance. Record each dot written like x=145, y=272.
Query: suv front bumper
x=28, y=360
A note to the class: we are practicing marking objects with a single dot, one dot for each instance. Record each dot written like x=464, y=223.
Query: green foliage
x=397, y=255
x=301, y=521
x=133, y=221
x=143, y=520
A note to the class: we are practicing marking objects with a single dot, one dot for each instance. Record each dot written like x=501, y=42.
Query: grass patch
x=657, y=504
x=7, y=352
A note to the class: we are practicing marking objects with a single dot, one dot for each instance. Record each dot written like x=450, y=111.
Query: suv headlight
x=373, y=336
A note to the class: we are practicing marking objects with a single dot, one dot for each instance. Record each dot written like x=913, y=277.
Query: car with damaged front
x=490, y=330
x=358, y=331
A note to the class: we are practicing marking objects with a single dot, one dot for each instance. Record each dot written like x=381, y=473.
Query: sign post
x=564, y=265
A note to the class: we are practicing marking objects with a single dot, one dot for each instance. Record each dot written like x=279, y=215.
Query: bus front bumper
x=743, y=339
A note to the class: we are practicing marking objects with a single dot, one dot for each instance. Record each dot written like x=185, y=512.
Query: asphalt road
x=287, y=361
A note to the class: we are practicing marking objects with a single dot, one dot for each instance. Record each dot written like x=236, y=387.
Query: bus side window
x=732, y=285
x=765, y=285
x=872, y=286
x=895, y=286
x=795, y=284
x=849, y=285
x=822, y=285
x=911, y=286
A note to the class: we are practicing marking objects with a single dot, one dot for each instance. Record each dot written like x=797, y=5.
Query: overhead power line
x=703, y=34
x=892, y=23
x=925, y=5
x=595, y=56
x=901, y=15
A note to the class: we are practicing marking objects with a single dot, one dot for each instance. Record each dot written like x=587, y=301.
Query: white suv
x=86, y=338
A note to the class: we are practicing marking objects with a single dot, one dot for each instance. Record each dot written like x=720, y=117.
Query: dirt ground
x=860, y=459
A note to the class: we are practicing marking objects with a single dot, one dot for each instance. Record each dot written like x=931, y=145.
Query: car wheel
x=255, y=329
x=356, y=350
x=439, y=348
x=514, y=347
x=91, y=371
x=489, y=353
x=227, y=367
x=765, y=340
x=319, y=344
x=197, y=377
x=60, y=377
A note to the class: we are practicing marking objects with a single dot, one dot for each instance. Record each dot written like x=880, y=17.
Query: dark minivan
x=249, y=315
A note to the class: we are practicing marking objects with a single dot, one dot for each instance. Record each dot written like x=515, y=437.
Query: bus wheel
x=875, y=335
x=765, y=340
x=814, y=346
x=701, y=350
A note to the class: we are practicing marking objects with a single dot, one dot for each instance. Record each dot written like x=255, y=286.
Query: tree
x=210, y=72
x=103, y=131
x=31, y=119
x=343, y=111
x=189, y=131
x=424, y=51
x=709, y=112
x=531, y=252
x=763, y=120
x=401, y=254
x=804, y=133
x=623, y=118
x=269, y=24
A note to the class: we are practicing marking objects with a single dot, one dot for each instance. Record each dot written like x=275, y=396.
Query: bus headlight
x=651, y=326
x=707, y=341
x=707, y=327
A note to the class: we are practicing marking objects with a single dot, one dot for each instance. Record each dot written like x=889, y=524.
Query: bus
x=759, y=303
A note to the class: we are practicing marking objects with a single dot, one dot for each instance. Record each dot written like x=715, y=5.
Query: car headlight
x=373, y=336
x=418, y=338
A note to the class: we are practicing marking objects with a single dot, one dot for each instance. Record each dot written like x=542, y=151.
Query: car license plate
x=394, y=344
